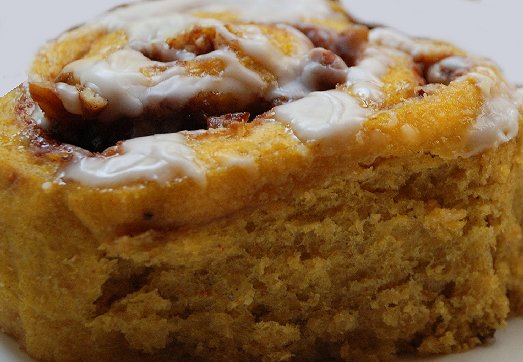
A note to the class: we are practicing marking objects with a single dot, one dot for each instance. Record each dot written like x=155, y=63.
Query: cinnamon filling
x=87, y=124
x=125, y=86
x=96, y=136
x=212, y=76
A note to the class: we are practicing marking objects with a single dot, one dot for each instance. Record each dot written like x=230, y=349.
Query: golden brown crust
x=423, y=239
x=383, y=243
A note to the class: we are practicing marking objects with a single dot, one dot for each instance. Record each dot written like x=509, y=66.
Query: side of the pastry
x=356, y=200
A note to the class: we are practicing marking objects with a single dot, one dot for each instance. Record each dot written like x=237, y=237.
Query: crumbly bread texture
x=356, y=261
x=394, y=239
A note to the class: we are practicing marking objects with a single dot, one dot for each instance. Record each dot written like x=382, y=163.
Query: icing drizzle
x=159, y=158
x=314, y=117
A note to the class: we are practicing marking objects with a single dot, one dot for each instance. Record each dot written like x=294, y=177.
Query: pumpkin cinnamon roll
x=225, y=180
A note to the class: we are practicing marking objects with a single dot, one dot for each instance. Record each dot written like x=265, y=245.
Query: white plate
x=486, y=27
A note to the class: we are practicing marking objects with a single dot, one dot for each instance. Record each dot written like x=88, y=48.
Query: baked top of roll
x=178, y=90
x=187, y=179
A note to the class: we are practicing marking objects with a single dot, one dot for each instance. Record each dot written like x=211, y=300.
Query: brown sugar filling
x=334, y=52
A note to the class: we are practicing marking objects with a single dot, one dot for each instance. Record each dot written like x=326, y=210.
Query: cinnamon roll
x=225, y=180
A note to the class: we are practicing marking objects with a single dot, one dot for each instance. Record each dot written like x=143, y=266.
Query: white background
x=493, y=28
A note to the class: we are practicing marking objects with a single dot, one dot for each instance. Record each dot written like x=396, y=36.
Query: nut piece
x=348, y=44
x=325, y=71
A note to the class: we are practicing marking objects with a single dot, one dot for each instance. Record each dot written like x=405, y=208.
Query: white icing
x=144, y=32
x=70, y=97
x=449, y=68
x=323, y=115
x=456, y=63
x=120, y=80
x=289, y=70
x=364, y=78
x=148, y=25
x=129, y=92
x=394, y=39
x=485, y=79
x=497, y=124
x=38, y=117
x=162, y=158
x=498, y=121
x=316, y=117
